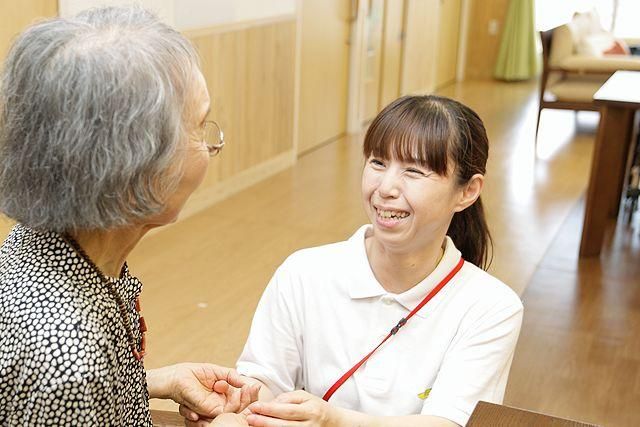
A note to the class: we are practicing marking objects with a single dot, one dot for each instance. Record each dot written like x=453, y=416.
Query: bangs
x=413, y=131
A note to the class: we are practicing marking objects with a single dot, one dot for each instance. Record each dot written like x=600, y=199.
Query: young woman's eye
x=376, y=162
x=414, y=171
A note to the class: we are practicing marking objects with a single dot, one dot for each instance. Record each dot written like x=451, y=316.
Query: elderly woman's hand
x=204, y=388
x=236, y=401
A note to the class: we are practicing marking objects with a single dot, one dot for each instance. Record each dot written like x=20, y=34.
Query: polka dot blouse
x=64, y=356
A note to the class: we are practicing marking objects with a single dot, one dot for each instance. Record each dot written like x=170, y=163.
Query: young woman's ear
x=470, y=192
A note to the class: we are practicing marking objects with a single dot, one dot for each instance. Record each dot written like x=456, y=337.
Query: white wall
x=192, y=14
x=164, y=8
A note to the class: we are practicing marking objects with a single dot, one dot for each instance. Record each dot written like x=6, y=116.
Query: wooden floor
x=579, y=350
x=204, y=275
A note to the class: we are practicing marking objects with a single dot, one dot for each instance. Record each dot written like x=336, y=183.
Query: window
x=619, y=16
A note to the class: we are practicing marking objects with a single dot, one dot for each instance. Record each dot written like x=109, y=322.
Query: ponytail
x=470, y=234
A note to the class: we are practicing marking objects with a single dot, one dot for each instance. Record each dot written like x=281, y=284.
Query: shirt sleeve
x=272, y=353
x=476, y=366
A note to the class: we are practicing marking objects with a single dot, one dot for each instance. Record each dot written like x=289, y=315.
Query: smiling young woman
x=399, y=325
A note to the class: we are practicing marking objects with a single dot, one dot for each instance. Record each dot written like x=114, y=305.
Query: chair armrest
x=601, y=64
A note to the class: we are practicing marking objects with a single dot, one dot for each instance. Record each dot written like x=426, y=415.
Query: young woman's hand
x=297, y=408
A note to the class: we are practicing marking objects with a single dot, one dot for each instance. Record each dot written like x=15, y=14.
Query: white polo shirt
x=324, y=310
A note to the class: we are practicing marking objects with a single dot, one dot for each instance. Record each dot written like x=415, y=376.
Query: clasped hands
x=210, y=395
x=297, y=408
x=206, y=389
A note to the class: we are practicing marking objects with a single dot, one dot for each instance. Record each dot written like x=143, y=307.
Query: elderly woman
x=104, y=136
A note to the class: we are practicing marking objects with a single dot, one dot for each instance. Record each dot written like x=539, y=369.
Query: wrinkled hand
x=210, y=390
x=224, y=420
x=297, y=408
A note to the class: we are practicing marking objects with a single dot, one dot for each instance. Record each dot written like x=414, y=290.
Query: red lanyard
x=393, y=331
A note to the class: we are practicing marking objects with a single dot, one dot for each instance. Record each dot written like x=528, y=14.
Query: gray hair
x=91, y=116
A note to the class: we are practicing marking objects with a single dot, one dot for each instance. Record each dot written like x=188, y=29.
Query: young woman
x=412, y=280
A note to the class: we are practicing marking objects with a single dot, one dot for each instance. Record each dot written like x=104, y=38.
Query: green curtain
x=517, y=58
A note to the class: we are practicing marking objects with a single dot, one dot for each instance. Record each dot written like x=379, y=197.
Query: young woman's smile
x=407, y=204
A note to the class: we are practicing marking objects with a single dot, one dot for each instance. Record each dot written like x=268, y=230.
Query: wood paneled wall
x=392, y=37
x=249, y=69
x=419, y=53
x=14, y=17
x=324, y=71
x=482, y=47
x=250, y=76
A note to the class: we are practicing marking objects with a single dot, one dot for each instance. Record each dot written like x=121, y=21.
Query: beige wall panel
x=373, y=60
x=448, y=38
x=391, y=52
x=250, y=77
x=419, y=54
x=14, y=17
x=324, y=71
x=482, y=47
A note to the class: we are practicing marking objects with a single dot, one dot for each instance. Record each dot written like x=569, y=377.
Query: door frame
x=357, y=58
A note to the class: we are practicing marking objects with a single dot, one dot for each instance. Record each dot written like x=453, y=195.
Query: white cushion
x=583, y=25
x=595, y=44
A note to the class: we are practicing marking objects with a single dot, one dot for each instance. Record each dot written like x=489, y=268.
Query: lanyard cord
x=393, y=331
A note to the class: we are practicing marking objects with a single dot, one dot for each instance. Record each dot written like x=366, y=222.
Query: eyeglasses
x=213, y=137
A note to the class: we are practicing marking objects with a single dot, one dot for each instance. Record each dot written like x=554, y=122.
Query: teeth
x=392, y=214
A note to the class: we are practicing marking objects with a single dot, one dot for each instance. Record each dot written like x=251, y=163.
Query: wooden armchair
x=572, y=72
x=565, y=89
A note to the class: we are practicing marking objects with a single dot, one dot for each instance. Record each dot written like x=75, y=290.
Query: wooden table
x=618, y=99
x=166, y=419
x=492, y=415
x=484, y=415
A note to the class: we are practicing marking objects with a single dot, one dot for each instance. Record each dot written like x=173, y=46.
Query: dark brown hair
x=432, y=131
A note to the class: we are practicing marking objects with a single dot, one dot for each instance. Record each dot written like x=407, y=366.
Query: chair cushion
x=575, y=89
x=561, y=45
x=620, y=47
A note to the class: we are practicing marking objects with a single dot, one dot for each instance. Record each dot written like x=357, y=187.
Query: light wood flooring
x=204, y=275
x=579, y=351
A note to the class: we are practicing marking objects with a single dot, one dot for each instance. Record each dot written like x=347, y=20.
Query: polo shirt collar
x=411, y=298
x=365, y=285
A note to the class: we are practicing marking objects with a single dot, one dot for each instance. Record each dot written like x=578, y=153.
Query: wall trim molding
x=237, y=26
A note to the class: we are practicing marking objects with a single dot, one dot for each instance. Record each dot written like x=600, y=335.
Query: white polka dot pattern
x=64, y=356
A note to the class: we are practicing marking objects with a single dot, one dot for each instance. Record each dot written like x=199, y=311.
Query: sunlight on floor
x=558, y=127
